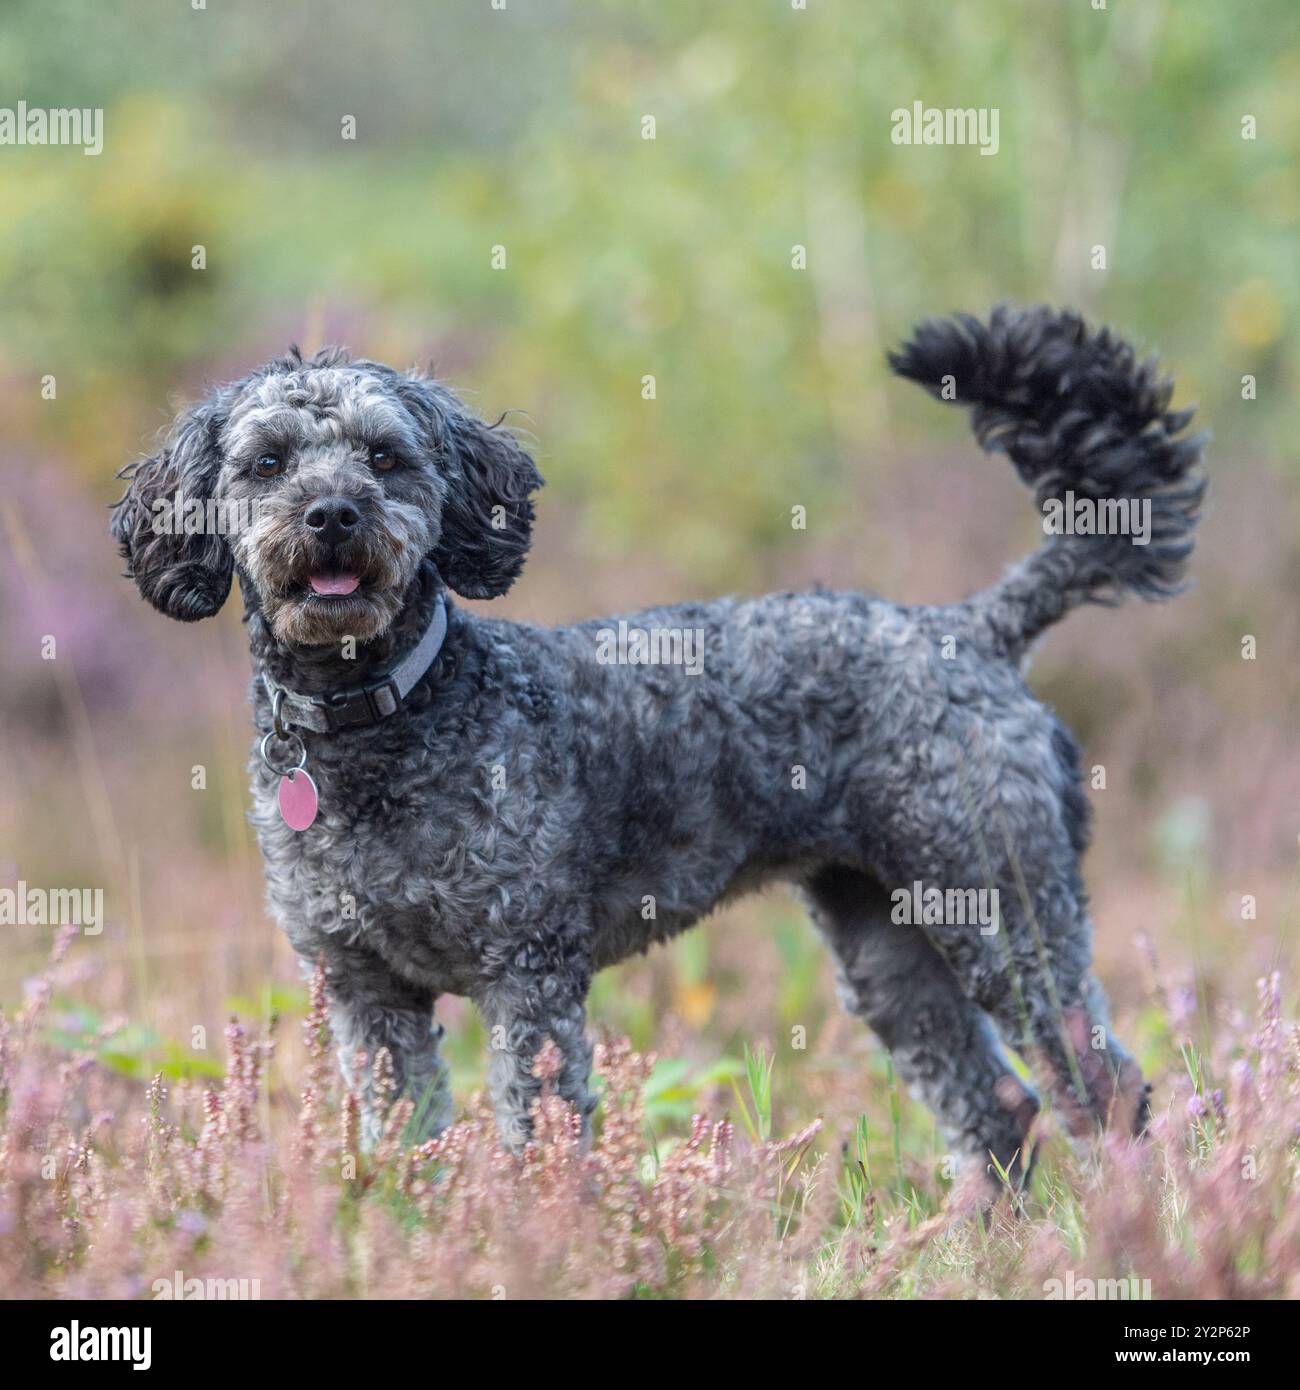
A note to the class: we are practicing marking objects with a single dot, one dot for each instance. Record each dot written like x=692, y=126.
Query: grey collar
x=363, y=704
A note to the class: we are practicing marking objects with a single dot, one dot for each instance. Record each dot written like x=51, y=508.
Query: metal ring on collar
x=286, y=738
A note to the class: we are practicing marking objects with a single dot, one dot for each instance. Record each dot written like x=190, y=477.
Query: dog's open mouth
x=333, y=596
x=333, y=583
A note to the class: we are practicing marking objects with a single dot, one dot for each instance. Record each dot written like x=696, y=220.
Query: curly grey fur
x=533, y=814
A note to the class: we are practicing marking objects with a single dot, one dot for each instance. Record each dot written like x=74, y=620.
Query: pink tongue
x=333, y=583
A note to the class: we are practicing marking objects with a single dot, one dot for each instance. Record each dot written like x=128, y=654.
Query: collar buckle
x=352, y=709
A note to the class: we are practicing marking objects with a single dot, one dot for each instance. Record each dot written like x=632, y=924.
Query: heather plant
x=256, y=1182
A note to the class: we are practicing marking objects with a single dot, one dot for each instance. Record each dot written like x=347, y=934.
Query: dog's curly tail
x=1087, y=428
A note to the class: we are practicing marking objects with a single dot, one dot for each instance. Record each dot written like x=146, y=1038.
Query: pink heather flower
x=193, y=1223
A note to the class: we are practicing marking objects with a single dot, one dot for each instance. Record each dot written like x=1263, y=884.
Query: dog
x=451, y=804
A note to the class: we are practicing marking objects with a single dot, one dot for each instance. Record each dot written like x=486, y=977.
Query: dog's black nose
x=332, y=518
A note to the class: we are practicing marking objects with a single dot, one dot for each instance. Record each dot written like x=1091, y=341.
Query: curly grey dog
x=504, y=809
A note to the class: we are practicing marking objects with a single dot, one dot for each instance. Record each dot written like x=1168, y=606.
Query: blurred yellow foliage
x=1252, y=314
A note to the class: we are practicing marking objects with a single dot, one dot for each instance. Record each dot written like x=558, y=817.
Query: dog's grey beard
x=309, y=622
x=277, y=557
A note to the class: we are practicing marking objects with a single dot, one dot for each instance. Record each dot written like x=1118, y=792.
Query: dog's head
x=325, y=483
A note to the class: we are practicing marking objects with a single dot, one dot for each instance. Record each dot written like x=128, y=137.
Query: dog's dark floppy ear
x=487, y=519
x=184, y=576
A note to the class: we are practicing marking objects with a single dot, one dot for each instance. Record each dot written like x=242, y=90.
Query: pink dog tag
x=298, y=799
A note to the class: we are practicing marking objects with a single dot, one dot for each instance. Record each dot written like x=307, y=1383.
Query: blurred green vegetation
x=522, y=128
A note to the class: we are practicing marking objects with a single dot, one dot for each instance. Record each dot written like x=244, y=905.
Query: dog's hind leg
x=1051, y=1008
x=1033, y=975
x=944, y=1046
x=1038, y=983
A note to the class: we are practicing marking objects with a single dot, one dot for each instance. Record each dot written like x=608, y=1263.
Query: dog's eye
x=382, y=457
x=268, y=465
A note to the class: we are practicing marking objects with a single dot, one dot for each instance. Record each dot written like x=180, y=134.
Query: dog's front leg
x=371, y=1008
x=541, y=993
